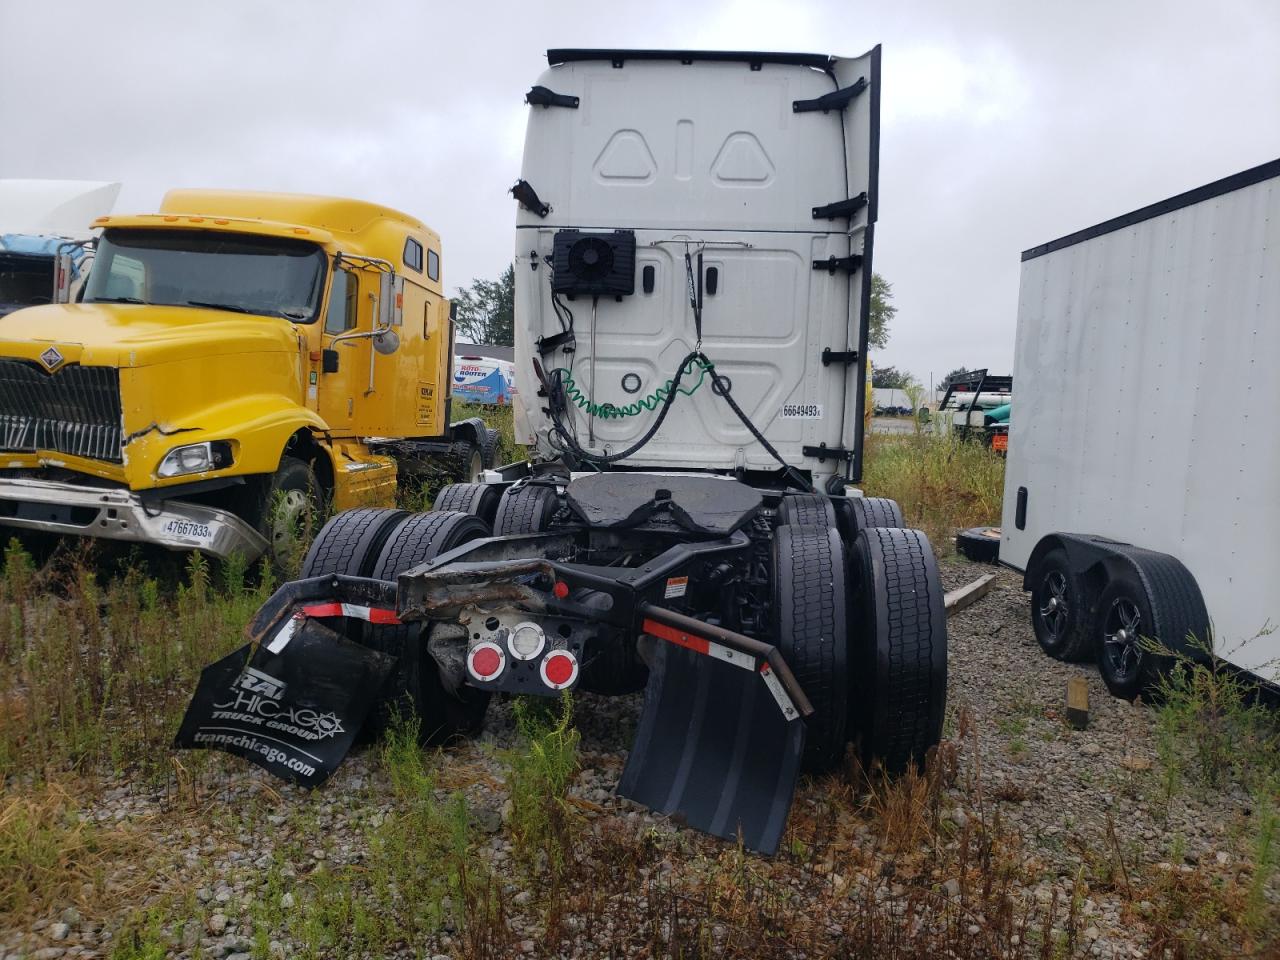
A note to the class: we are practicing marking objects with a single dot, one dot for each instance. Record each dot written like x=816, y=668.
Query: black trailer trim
x=1239, y=181
x=819, y=61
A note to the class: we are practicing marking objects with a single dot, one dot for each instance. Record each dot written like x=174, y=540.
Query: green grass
x=942, y=483
x=540, y=769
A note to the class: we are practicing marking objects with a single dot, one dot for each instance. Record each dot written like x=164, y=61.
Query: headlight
x=195, y=458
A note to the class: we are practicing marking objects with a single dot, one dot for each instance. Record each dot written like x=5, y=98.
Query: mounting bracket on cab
x=830, y=356
x=835, y=100
x=849, y=264
x=841, y=208
x=545, y=97
x=822, y=452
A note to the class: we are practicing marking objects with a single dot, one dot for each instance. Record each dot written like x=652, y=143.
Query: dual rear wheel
x=863, y=629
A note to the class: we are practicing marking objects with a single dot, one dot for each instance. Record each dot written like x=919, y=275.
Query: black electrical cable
x=558, y=405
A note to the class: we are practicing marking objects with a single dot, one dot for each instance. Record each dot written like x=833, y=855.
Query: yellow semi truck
x=237, y=359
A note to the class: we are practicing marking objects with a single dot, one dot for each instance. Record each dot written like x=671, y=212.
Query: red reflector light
x=486, y=660
x=561, y=589
x=559, y=669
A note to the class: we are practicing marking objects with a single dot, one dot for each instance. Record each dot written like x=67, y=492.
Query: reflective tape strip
x=678, y=637
x=372, y=614
x=699, y=644
x=779, y=692
x=729, y=655
x=285, y=633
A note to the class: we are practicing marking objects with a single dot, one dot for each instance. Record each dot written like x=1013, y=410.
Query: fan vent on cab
x=594, y=264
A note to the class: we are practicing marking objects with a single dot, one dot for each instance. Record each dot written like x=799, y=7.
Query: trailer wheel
x=806, y=510
x=1059, y=609
x=478, y=499
x=526, y=509
x=489, y=448
x=350, y=542
x=872, y=512
x=810, y=611
x=899, y=669
x=468, y=461
x=414, y=686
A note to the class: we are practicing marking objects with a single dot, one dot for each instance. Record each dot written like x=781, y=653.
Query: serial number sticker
x=676, y=587
x=188, y=530
x=802, y=411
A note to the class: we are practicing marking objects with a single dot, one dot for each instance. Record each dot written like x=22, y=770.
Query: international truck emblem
x=51, y=358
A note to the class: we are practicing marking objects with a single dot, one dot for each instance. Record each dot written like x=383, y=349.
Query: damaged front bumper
x=118, y=514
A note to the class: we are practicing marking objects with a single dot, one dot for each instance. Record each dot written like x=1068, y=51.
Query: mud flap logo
x=295, y=712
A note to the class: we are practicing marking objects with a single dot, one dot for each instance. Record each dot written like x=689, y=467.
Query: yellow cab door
x=344, y=361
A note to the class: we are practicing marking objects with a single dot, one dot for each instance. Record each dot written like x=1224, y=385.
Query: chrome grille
x=75, y=410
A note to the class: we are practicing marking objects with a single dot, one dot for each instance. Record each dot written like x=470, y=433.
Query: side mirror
x=387, y=342
x=63, y=270
x=390, y=300
x=329, y=361
x=453, y=311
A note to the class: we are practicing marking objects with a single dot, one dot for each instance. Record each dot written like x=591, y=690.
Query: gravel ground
x=1074, y=799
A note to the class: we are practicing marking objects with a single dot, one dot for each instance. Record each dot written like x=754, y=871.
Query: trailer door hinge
x=835, y=100
x=528, y=198
x=830, y=356
x=822, y=452
x=545, y=97
x=841, y=208
x=848, y=264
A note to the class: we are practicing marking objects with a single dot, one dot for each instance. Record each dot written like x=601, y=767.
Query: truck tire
x=899, y=654
x=871, y=512
x=414, y=685
x=806, y=510
x=1060, y=608
x=350, y=542
x=810, y=611
x=979, y=544
x=478, y=499
x=489, y=448
x=468, y=461
x=291, y=498
x=1164, y=604
x=526, y=509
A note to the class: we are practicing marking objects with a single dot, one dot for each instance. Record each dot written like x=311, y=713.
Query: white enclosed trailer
x=1131, y=335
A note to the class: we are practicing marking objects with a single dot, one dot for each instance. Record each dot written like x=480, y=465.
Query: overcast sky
x=1005, y=124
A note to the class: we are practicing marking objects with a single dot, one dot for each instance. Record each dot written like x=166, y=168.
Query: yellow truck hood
x=139, y=335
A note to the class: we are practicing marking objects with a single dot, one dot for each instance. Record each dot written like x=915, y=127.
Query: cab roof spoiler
x=618, y=58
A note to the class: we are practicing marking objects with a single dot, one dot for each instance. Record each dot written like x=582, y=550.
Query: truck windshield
x=269, y=276
x=24, y=281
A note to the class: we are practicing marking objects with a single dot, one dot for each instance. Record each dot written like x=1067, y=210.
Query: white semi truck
x=1137, y=503
x=693, y=272
x=45, y=251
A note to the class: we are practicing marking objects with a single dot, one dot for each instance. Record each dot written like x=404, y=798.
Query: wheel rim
x=287, y=518
x=476, y=473
x=1055, y=608
x=1120, y=638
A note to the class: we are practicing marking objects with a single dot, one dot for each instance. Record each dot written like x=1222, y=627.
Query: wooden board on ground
x=961, y=597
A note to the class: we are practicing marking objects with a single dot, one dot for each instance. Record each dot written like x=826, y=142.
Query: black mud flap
x=718, y=748
x=293, y=699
